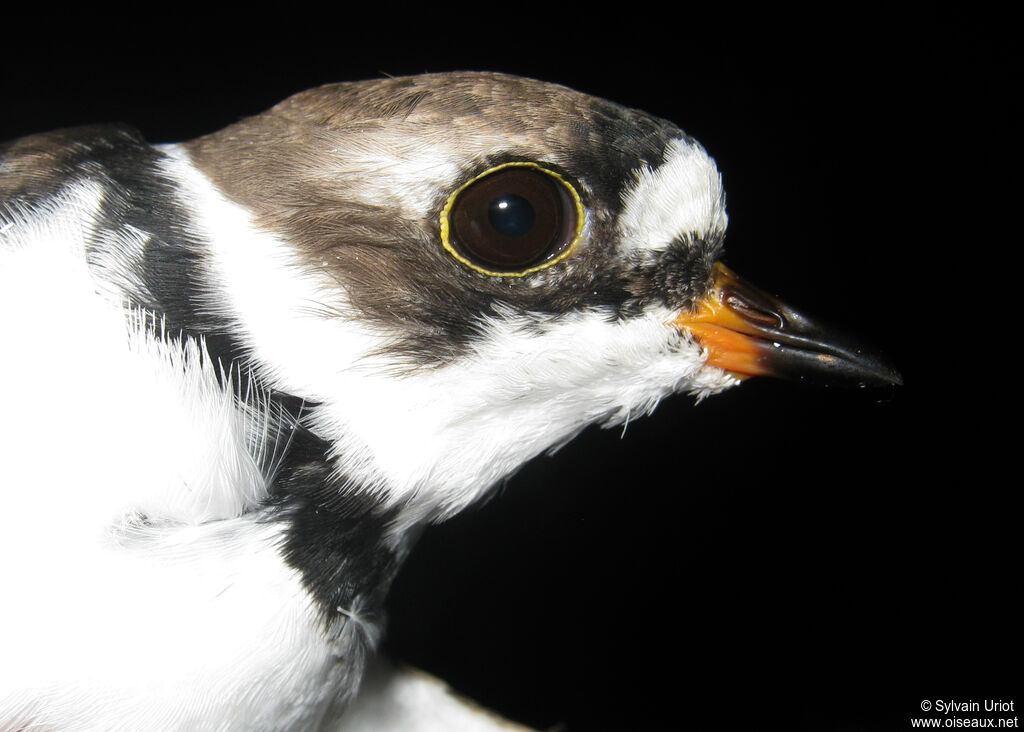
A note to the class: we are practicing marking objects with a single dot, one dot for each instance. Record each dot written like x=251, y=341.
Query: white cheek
x=293, y=320
x=438, y=440
x=682, y=197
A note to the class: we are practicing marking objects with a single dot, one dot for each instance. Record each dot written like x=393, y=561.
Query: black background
x=777, y=557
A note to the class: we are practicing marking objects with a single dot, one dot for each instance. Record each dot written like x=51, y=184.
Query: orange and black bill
x=748, y=332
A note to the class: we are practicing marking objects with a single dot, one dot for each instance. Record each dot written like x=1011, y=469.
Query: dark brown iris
x=512, y=219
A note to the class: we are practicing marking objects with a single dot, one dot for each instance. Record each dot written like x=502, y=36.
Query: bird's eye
x=512, y=220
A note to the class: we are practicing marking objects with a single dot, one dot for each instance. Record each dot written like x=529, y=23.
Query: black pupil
x=511, y=215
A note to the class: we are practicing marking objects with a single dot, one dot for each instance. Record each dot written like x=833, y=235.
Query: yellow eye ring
x=560, y=219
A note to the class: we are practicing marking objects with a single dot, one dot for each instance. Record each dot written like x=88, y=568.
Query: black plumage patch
x=678, y=275
x=335, y=537
x=146, y=242
x=612, y=143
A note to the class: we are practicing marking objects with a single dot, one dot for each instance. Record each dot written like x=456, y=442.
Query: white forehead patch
x=683, y=196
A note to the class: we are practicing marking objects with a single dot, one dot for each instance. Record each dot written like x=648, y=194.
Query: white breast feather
x=113, y=441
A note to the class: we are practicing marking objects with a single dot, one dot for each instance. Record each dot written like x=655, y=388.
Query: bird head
x=458, y=272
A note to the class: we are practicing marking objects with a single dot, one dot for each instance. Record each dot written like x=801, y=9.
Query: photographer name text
x=958, y=707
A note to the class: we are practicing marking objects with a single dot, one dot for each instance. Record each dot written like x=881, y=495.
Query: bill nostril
x=759, y=314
